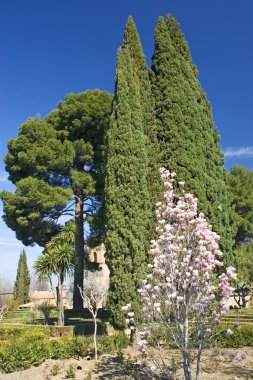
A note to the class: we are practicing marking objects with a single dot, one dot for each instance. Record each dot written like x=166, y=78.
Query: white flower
x=230, y=332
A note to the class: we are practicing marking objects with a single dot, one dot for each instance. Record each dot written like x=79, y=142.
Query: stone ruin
x=101, y=274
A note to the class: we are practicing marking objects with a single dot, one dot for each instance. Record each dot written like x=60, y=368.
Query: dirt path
x=214, y=367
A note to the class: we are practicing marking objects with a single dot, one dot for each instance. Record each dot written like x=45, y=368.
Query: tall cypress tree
x=188, y=140
x=141, y=75
x=22, y=283
x=179, y=132
x=128, y=208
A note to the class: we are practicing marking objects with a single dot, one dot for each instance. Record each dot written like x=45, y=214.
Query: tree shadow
x=235, y=370
x=110, y=368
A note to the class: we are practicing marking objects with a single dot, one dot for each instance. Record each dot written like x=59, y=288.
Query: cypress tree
x=179, y=134
x=240, y=185
x=188, y=139
x=22, y=283
x=128, y=208
x=141, y=74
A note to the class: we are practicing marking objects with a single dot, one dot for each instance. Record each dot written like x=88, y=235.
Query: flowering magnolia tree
x=183, y=291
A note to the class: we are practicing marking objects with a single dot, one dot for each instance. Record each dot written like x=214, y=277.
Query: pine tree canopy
x=58, y=169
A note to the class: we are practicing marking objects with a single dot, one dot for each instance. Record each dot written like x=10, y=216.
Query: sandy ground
x=214, y=367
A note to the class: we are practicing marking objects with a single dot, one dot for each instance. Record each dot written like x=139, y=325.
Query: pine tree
x=189, y=143
x=57, y=165
x=128, y=208
x=22, y=283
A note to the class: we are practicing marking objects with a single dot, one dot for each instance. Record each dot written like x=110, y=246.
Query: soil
x=216, y=365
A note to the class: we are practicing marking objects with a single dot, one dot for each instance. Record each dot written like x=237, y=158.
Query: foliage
x=113, y=343
x=70, y=372
x=133, y=43
x=244, y=254
x=46, y=309
x=189, y=143
x=182, y=291
x=58, y=169
x=58, y=260
x=62, y=348
x=242, y=336
x=3, y=311
x=23, y=347
x=55, y=370
x=128, y=207
x=22, y=283
x=29, y=349
x=13, y=332
x=240, y=184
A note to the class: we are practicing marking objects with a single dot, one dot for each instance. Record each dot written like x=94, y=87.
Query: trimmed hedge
x=11, y=332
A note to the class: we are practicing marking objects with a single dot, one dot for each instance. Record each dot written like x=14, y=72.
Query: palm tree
x=58, y=260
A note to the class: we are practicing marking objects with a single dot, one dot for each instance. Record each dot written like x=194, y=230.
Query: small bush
x=82, y=346
x=66, y=347
x=46, y=309
x=242, y=336
x=24, y=347
x=55, y=370
x=112, y=344
x=70, y=372
x=13, y=332
x=22, y=354
x=62, y=348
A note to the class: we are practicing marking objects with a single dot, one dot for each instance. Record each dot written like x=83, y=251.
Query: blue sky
x=53, y=47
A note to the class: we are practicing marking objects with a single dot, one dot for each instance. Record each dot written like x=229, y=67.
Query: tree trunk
x=60, y=302
x=95, y=337
x=79, y=253
x=186, y=358
x=198, y=361
x=187, y=370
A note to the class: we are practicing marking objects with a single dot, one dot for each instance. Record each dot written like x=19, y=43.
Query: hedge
x=242, y=336
x=22, y=348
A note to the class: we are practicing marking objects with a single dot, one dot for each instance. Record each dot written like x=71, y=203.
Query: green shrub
x=22, y=354
x=23, y=347
x=67, y=347
x=242, y=336
x=55, y=370
x=13, y=332
x=112, y=344
x=70, y=372
x=46, y=309
x=62, y=348
x=82, y=346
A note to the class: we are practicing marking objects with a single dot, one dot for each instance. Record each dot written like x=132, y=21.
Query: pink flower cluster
x=183, y=285
x=186, y=255
x=130, y=316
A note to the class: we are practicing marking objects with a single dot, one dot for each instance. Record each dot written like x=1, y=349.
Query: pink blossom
x=182, y=279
